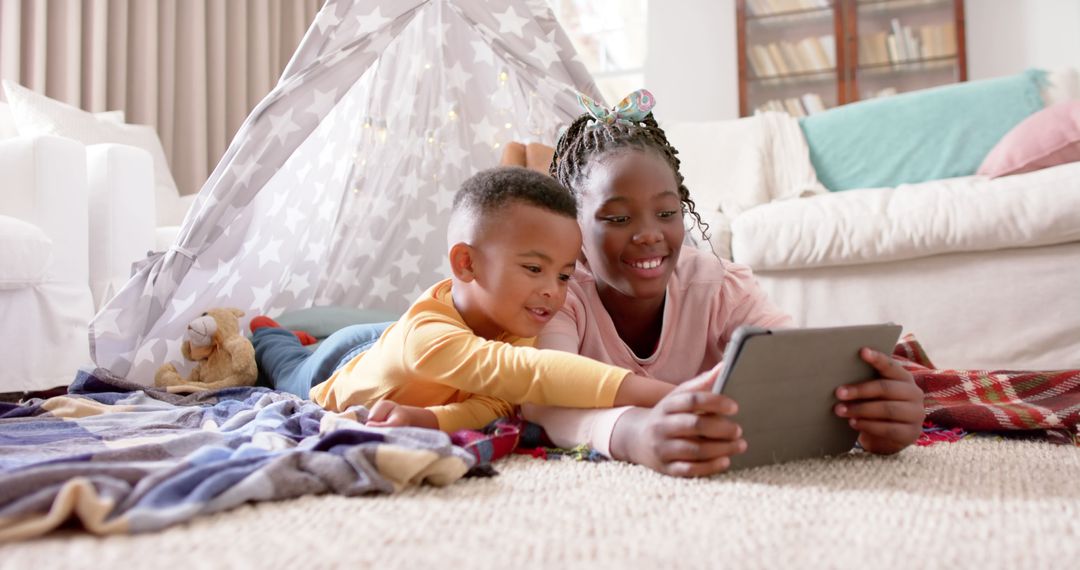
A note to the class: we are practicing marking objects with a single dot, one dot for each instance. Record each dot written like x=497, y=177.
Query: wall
x=1008, y=36
x=691, y=65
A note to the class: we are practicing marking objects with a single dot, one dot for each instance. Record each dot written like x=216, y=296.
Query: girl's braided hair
x=582, y=143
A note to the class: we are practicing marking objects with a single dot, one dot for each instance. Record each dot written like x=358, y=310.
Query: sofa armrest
x=121, y=213
x=44, y=180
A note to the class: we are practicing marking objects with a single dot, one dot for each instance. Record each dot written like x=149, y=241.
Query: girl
x=638, y=300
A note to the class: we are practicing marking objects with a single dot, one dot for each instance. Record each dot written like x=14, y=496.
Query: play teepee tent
x=337, y=188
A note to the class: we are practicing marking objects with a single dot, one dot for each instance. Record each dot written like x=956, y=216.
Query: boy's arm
x=445, y=353
x=473, y=413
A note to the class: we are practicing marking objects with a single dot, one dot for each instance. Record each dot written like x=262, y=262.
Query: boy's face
x=631, y=216
x=521, y=267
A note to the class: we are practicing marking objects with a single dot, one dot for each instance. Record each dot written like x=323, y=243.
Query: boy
x=462, y=355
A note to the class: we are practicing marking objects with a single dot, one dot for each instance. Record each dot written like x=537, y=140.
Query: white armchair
x=129, y=211
x=73, y=220
x=121, y=212
x=45, y=298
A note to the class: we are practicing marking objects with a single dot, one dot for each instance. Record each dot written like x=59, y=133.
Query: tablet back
x=784, y=382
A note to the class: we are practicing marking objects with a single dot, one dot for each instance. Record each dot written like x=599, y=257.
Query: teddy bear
x=225, y=357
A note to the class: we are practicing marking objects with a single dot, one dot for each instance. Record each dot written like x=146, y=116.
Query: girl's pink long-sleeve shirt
x=707, y=299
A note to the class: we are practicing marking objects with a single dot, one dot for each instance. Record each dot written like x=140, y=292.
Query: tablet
x=784, y=381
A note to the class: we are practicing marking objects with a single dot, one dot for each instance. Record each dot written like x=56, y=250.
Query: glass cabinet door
x=790, y=51
x=904, y=45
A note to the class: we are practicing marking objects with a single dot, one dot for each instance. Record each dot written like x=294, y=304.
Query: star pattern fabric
x=337, y=188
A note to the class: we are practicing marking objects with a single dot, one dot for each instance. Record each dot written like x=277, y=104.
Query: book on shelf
x=937, y=40
x=812, y=103
x=777, y=58
x=886, y=92
x=781, y=58
x=905, y=44
x=874, y=49
x=767, y=7
x=806, y=104
x=764, y=61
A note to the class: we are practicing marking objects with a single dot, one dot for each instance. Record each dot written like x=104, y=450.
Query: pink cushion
x=1046, y=138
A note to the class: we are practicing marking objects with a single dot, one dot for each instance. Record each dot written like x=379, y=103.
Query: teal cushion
x=321, y=322
x=917, y=136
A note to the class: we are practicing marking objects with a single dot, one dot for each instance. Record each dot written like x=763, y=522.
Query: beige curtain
x=191, y=68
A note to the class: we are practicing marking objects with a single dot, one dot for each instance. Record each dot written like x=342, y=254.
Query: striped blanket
x=121, y=458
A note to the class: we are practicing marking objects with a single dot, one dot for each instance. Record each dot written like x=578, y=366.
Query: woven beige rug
x=979, y=503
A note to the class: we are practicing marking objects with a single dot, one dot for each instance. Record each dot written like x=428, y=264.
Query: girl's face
x=631, y=221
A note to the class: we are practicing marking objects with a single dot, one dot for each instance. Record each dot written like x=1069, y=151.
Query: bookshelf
x=804, y=56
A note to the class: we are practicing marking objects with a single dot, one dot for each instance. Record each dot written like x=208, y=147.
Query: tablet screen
x=784, y=382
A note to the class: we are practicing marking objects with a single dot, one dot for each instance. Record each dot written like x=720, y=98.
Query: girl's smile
x=648, y=267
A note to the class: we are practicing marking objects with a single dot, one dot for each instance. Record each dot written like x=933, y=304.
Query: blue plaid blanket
x=123, y=458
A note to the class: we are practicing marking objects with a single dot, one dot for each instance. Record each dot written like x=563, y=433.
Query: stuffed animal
x=225, y=358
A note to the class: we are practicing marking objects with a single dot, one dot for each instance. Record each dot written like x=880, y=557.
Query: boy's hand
x=687, y=434
x=888, y=413
x=392, y=414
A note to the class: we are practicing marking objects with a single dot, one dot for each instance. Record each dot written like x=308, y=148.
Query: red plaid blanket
x=958, y=402
x=1036, y=403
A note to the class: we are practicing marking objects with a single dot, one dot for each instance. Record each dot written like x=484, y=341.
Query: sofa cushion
x=923, y=135
x=1047, y=138
x=733, y=165
x=35, y=113
x=26, y=253
x=1062, y=84
x=971, y=213
x=7, y=122
x=9, y=130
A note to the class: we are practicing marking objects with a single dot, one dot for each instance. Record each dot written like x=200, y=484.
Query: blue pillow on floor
x=929, y=134
x=321, y=322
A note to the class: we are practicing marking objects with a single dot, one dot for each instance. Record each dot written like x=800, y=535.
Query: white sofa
x=73, y=220
x=120, y=180
x=45, y=297
x=985, y=273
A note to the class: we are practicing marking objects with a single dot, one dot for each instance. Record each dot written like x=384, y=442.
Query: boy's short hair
x=483, y=195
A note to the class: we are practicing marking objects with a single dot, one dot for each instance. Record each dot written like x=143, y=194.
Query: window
x=609, y=36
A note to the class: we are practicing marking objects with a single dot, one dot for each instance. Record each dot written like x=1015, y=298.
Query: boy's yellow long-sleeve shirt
x=430, y=358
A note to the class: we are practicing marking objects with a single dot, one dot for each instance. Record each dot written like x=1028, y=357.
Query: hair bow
x=630, y=111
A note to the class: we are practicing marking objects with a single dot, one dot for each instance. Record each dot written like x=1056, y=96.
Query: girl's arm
x=687, y=434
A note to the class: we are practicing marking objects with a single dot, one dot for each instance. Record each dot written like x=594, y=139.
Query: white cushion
x=37, y=114
x=7, y=123
x=25, y=255
x=731, y=166
x=972, y=213
x=115, y=117
x=8, y=130
x=1062, y=84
